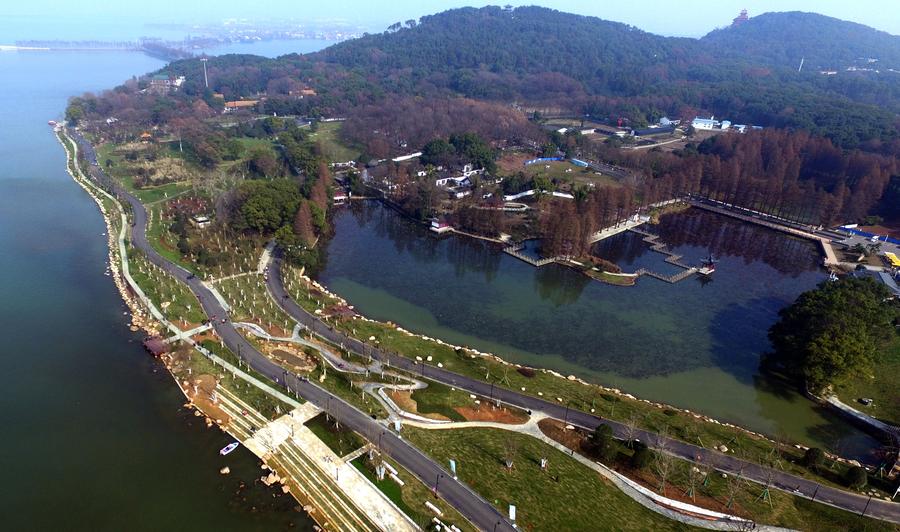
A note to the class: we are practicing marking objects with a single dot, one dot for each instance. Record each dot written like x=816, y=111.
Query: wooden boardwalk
x=671, y=258
x=825, y=243
x=514, y=251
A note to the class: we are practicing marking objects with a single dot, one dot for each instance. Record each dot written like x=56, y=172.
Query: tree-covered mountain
x=783, y=39
x=747, y=73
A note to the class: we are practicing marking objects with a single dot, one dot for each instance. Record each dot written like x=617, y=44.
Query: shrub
x=669, y=412
x=814, y=458
x=856, y=477
x=526, y=372
x=641, y=457
x=609, y=397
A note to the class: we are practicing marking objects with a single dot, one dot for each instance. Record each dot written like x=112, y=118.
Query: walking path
x=620, y=227
x=760, y=219
x=472, y=506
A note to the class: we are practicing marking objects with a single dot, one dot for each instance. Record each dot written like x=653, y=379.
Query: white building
x=704, y=123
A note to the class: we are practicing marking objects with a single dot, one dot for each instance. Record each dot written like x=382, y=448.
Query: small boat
x=708, y=266
x=228, y=448
x=51, y=122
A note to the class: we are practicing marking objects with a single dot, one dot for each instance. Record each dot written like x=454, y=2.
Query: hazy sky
x=668, y=17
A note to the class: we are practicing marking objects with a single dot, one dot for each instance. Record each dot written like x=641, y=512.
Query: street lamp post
x=436, y=482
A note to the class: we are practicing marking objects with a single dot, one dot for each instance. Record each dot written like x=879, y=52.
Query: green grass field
x=568, y=496
x=338, y=439
x=327, y=134
x=882, y=387
x=171, y=297
x=411, y=497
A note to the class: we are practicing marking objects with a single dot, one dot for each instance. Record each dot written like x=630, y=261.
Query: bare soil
x=495, y=415
x=405, y=401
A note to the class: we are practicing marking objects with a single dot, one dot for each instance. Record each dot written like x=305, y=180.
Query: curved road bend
x=878, y=508
x=478, y=511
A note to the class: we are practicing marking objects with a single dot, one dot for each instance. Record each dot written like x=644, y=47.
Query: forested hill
x=473, y=49
x=748, y=73
x=826, y=43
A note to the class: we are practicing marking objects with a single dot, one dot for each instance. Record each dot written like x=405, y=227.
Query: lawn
x=441, y=399
x=567, y=496
x=172, y=298
x=327, y=135
x=250, y=301
x=882, y=387
x=411, y=497
x=713, y=491
x=339, y=439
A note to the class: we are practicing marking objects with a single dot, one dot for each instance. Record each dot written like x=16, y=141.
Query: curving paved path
x=877, y=508
x=477, y=510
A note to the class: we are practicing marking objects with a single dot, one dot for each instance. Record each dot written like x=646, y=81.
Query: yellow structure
x=895, y=262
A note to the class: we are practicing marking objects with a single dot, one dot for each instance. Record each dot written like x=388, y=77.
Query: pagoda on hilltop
x=740, y=19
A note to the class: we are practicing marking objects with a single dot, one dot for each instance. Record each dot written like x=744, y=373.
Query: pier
x=671, y=258
x=514, y=250
x=765, y=220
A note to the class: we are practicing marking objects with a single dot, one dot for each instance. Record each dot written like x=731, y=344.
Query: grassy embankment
x=589, y=398
x=339, y=439
x=171, y=297
x=712, y=490
x=568, y=496
x=881, y=387
x=113, y=159
x=411, y=497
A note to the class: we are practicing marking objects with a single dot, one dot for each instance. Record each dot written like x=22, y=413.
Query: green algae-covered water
x=695, y=344
x=94, y=436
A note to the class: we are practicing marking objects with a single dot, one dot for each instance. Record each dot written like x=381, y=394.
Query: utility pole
x=205, y=78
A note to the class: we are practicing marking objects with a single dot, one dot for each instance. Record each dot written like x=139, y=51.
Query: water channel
x=695, y=344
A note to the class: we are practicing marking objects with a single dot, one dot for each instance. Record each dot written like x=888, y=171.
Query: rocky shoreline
x=140, y=318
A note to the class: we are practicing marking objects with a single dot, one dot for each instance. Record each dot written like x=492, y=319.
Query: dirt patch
x=202, y=392
x=290, y=357
x=404, y=400
x=554, y=429
x=513, y=162
x=497, y=414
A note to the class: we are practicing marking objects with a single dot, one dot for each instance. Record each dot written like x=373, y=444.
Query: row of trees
x=788, y=173
x=566, y=225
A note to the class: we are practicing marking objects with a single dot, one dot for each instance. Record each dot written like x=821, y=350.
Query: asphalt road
x=477, y=510
x=878, y=508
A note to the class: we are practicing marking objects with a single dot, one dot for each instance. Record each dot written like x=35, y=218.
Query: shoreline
x=472, y=352
x=149, y=325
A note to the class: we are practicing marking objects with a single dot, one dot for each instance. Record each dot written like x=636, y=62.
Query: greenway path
x=881, y=509
x=478, y=511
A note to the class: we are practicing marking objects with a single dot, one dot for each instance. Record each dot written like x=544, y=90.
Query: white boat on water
x=228, y=448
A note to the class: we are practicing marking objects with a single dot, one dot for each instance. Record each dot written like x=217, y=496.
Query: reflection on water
x=696, y=343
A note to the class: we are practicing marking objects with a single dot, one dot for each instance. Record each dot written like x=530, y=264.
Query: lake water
x=695, y=344
x=94, y=433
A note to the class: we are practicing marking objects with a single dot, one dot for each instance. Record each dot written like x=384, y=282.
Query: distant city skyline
x=691, y=18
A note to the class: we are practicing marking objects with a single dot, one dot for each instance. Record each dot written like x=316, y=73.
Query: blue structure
x=579, y=162
x=543, y=160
